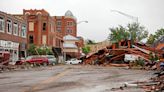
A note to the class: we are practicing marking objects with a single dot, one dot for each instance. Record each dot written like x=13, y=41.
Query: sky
x=98, y=13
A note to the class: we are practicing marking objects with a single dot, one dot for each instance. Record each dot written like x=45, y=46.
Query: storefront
x=12, y=47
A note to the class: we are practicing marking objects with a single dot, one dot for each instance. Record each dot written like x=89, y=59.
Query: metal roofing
x=69, y=45
x=70, y=37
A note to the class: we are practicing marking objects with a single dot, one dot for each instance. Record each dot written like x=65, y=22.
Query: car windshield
x=29, y=57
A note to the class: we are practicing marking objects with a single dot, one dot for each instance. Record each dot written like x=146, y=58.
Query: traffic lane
x=95, y=79
x=80, y=78
x=20, y=80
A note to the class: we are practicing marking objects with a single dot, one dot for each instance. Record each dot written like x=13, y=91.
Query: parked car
x=73, y=61
x=51, y=59
x=20, y=61
x=4, y=57
x=37, y=60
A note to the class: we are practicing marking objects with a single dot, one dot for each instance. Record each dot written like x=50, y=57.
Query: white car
x=73, y=61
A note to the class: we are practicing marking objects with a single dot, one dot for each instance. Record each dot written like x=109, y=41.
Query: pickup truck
x=73, y=61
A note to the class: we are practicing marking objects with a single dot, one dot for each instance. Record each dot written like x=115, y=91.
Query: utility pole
x=127, y=15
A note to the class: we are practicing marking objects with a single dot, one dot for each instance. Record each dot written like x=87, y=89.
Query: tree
x=86, y=49
x=118, y=34
x=159, y=33
x=137, y=32
x=133, y=31
x=32, y=50
x=152, y=38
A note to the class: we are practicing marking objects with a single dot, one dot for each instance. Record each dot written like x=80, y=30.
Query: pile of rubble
x=155, y=84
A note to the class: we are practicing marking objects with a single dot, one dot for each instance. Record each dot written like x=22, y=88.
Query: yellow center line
x=47, y=81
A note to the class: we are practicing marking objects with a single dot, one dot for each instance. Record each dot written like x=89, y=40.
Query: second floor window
x=69, y=31
x=58, y=23
x=44, y=26
x=9, y=26
x=24, y=31
x=2, y=25
x=15, y=30
x=31, y=26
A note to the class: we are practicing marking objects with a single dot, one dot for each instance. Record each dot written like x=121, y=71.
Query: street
x=71, y=78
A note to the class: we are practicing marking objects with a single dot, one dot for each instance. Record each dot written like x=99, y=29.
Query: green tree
x=159, y=33
x=137, y=32
x=151, y=39
x=86, y=49
x=133, y=31
x=118, y=34
x=32, y=50
x=44, y=51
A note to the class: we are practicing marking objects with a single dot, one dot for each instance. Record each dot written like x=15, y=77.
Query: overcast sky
x=150, y=13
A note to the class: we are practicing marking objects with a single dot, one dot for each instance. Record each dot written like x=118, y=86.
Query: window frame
x=9, y=26
x=44, y=27
x=15, y=31
x=3, y=24
x=23, y=30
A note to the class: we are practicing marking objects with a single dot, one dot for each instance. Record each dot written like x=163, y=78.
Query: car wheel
x=53, y=64
x=70, y=62
x=44, y=64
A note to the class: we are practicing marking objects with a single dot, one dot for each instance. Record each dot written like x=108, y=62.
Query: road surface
x=71, y=78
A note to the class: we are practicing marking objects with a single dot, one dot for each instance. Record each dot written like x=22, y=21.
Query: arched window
x=27, y=13
x=38, y=13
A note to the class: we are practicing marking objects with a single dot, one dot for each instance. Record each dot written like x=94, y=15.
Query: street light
x=82, y=22
x=77, y=24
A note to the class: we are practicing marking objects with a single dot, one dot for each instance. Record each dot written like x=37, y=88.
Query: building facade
x=67, y=24
x=42, y=29
x=13, y=35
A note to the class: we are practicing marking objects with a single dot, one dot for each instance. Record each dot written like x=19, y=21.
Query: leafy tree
x=118, y=34
x=137, y=32
x=44, y=51
x=32, y=50
x=133, y=31
x=86, y=49
x=151, y=39
x=159, y=33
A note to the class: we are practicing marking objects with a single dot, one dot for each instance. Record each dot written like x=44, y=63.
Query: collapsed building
x=119, y=52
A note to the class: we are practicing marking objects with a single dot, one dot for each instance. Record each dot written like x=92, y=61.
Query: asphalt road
x=71, y=78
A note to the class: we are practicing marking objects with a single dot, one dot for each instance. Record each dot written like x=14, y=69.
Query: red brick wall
x=11, y=37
